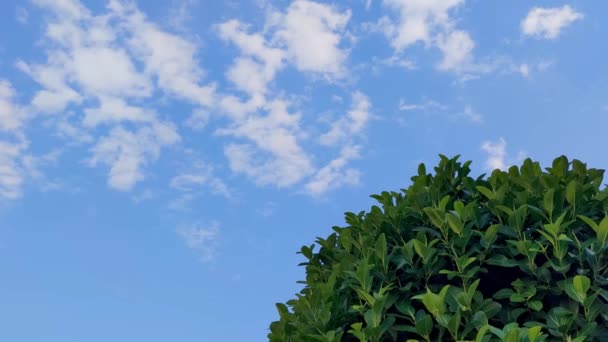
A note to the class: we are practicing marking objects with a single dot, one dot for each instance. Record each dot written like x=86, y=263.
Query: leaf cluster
x=519, y=256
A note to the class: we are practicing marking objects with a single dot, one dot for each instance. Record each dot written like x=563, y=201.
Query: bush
x=519, y=256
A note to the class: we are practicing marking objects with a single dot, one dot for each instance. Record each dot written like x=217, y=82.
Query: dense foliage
x=519, y=256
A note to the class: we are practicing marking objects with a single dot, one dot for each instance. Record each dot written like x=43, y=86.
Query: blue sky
x=162, y=161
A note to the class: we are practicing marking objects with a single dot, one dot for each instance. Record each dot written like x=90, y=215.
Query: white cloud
x=105, y=73
x=471, y=115
x=250, y=76
x=419, y=20
x=105, y=65
x=171, y=59
x=429, y=22
x=32, y=169
x=11, y=115
x=13, y=144
x=524, y=70
x=145, y=195
x=528, y=70
x=115, y=110
x=108, y=71
x=71, y=9
x=266, y=58
x=268, y=209
x=312, y=33
x=56, y=94
x=204, y=240
x=198, y=119
x=548, y=23
x=424, y=106
x=198, y=176
x=11, y=172
x=351, y=124
x=21, y=15
x=273, y=154
x=309, y=36
x=126, y=152
x=335, y=173
x=497, y=153
x=181, y=13
x=457, y=47
x=74, y=134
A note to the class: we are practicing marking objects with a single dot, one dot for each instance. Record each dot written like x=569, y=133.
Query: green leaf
x=534, y=333
x=444, y=203
x=386, y=324
x=580, y=286
x=503, y=261
x=424, y=326
x=571, y=192
x=381, y=248
x=499, y=333
x=435, y=216
x=463, y=262
x=548, y=201
x=481, y=333
x=421, y=169
x=535, y=305
x=366, y=296
x=283, y=311
x=511, y=335
x=581, y=283
x=454, y=324
x=460, y=209
x=517, y=298
x=602, y=232
x=503, y=294
x=455, y=223
x=486, y=192
x=590, y=223
x=471, y=290
x=489, y=235
x=405, y=308
x=357, y=331
x=371, y=319
x=435, y=303
x=420, y=248
x=480, y=319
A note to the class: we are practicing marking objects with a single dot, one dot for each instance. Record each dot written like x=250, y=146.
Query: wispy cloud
x=426, y=105
x=351, y=124
x=268, y=209
x=195, y=180
x=11, y=172
x=335, y=173
x=497, y=155
x=13, y=143
x=204, y=240
x=548, y=23
x=127, y=152
x=471, y=115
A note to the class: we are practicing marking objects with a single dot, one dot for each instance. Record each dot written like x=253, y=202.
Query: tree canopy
x=520, y=255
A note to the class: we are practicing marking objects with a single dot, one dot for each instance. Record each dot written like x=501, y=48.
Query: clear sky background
x=161, y=162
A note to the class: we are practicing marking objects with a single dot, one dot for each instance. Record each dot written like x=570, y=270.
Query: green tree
x=517, y=256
